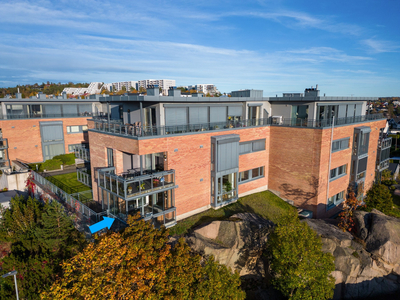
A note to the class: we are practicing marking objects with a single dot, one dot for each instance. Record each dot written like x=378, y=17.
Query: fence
x=87, y=215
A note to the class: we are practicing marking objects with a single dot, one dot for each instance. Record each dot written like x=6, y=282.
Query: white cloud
x=380, y=46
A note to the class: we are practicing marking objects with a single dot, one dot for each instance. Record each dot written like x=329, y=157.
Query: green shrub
x=51, y=164
x=67, y=159
x=380, y=198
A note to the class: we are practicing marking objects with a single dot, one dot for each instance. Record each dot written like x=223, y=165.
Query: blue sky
x=347, y=47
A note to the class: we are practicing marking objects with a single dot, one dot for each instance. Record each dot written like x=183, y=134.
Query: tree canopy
x=138, y=263
x=380, y=198
x=41, y=237
x=299, y=268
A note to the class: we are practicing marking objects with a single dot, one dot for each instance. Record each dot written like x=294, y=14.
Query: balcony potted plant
x=156, y=182
x=130, y=190
x=141, y=186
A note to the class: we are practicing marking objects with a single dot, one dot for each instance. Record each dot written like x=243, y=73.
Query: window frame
x=336, y=200
x=253, y=144
x=261, y=172
x=81, y=129
x=339, y=142
x=336, y=172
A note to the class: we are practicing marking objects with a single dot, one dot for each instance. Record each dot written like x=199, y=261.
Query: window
x=110, y=157
x=251, y=174
x=335, y=200
x=338, y=172
x=252, y=146
x=77, y=129
x=341, y=144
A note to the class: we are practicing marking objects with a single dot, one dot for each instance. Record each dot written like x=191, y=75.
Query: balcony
x=4, y=164
x=82, y=153
x=128, y=186
x=83, y=175
x=3, y=143
x=384, y=143
x=132, y=130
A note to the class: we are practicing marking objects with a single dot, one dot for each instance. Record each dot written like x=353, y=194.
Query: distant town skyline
x=346, y=47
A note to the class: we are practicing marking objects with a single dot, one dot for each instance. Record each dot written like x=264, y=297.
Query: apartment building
x=93, y=88
x=204, y=88
x=118, y=86
x=38, y=128
x=164, y=84
x=171, y=157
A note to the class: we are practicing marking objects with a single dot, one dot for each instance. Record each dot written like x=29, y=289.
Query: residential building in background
x=204, y=88
x=164, y=84
x=93, y=88
x=128, y=85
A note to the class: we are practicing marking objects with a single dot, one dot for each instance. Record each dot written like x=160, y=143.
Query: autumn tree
x=41, y=237
x=350, y=205
x=138, y=263
x=299, y=268
x=380, y=198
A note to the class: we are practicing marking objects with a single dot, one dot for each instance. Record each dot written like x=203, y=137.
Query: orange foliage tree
x=350, y=205
x=138, y=263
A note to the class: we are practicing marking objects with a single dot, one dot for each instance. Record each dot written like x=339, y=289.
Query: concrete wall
x=14, y=181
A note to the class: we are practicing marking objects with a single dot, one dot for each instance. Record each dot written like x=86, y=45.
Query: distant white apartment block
x=118, y=86
x=204, y=88
x=164, y=84
x=93, y=88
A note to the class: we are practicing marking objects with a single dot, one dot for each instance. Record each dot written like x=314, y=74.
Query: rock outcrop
x=367, y=265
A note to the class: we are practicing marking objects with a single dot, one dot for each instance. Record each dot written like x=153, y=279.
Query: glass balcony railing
x=83, y=176
x=82, y=153
x=129, y=186
x=132, y=130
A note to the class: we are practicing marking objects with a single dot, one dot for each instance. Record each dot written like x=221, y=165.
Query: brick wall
x=26, y=135
x=185, y=155
x=299, y=164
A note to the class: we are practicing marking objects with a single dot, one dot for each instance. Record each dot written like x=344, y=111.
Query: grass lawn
x=69, y=180
x=264, y=204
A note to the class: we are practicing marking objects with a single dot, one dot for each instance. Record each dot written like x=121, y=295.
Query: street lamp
x=15, y=280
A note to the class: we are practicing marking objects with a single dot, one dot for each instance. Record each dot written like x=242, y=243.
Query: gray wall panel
x=342, y=111
x=198, y=115
x=218, y=114
x=350, y=110
x=175, y=116
x=358, y=109
x=235, y=111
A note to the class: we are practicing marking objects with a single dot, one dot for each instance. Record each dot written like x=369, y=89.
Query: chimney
x=152, y=90
x=316, y=87
x=174, y=92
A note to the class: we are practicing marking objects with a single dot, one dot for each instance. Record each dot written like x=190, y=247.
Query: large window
x=251, y=175
x=252, y=146
x=341, y=144
x=335, y=200
x=77, y=129
x=338, y=172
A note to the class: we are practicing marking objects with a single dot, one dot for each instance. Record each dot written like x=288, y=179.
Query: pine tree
x=299, y=268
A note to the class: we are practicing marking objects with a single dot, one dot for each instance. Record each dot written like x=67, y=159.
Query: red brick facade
x=296, y=162
x=24, y=135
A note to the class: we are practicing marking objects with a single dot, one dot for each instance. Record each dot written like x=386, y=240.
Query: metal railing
x=83, y=176
x=118, y=128
x=82, y=153
x=45, y=115
x=129, y=186
x=385, y=143
x=64, y=198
